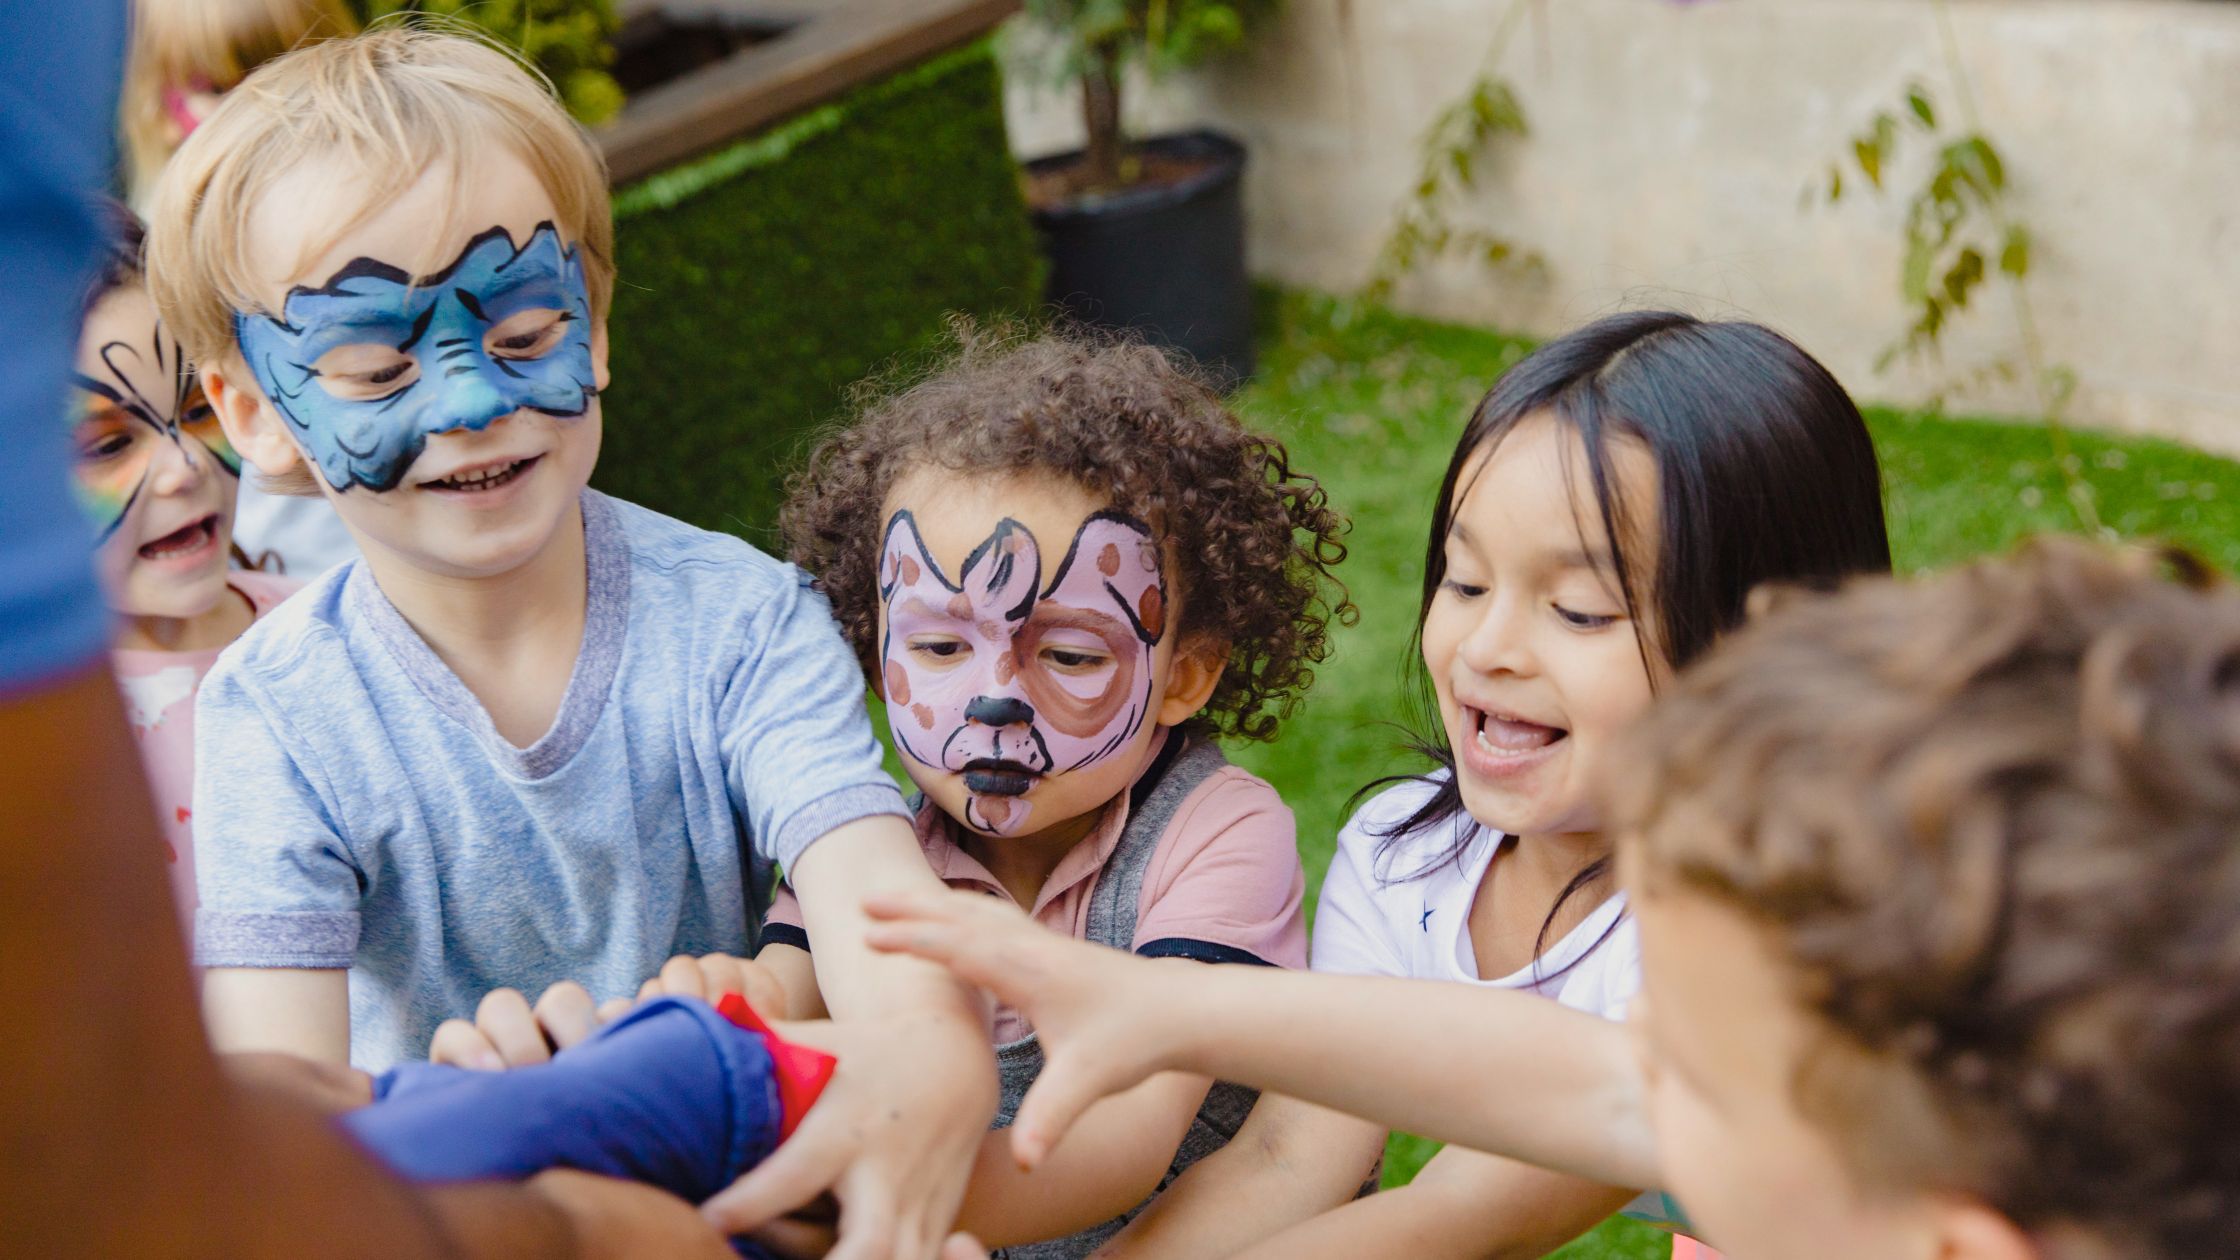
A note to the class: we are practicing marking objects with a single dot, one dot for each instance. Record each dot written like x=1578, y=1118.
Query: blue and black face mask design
x=449, y=375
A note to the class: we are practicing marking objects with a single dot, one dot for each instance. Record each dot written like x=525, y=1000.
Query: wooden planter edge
x=836, y=48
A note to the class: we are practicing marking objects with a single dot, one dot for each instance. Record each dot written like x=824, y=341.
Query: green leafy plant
x=1426, y=228
x=1961, y=233
x=1959, y=230
x=1098, y=40
x=571, y=41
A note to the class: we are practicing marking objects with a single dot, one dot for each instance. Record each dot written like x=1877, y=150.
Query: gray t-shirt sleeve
x=277, y=884
x=797, y=743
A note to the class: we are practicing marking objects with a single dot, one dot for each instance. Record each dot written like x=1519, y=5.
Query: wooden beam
x=834, y=48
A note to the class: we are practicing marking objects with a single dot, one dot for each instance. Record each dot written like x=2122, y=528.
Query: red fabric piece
x=802, y=1071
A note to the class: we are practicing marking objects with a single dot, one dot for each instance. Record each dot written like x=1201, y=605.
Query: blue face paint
x=434, y=365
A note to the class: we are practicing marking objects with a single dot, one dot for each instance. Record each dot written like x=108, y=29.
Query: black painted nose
x=999, y=711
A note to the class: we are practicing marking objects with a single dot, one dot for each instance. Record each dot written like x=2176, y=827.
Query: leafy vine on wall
x=1962, y=233
x=1425, y=227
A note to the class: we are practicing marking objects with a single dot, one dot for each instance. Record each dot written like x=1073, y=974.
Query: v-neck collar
x=1562, y=955
x=605, y=619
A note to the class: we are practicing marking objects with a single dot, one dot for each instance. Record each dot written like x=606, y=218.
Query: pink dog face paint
x=1005, y=680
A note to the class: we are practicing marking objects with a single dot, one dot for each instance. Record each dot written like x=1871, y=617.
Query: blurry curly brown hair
x=1253, y=540
x=1992, y=821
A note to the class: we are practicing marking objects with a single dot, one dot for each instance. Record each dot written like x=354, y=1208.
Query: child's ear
x=599, y=374
x=1196, y=671
x=254, y=429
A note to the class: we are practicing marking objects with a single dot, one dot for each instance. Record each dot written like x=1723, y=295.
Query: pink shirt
x=1225, y=873
x=159, y=692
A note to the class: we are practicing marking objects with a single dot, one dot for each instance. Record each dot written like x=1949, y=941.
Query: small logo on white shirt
x=148, y=697
x=1425, y=921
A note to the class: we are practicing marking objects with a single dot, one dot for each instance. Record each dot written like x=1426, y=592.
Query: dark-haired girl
x=159, y=480
x=1609, y=508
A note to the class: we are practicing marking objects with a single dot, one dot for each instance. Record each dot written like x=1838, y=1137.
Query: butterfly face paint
x=367, y=366
x=1007, y=681
x=138, y=401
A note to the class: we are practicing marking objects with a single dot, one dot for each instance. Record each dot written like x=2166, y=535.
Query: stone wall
x=1672, y=143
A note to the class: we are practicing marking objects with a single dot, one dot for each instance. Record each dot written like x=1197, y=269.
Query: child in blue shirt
x=535, y=732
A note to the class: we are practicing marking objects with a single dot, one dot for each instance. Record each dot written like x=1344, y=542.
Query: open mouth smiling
x=1506, y=735
x=482, y=480
x=187, y=540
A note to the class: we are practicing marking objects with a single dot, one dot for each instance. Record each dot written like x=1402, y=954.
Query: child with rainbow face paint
x=157, y=475
x=1068, y=570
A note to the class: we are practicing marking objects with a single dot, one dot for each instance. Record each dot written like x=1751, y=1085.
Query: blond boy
x=1940, y=921
x=535, y=733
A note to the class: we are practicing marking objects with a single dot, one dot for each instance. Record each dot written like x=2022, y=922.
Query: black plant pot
x=1164, y=259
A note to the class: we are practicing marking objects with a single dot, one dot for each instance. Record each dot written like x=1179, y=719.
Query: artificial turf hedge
x=756, y=284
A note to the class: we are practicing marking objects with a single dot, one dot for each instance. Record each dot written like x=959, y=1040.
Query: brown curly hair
x=1252, y=539
x=1992, y=821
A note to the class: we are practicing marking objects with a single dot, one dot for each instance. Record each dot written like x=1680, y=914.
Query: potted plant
x=1147, y=234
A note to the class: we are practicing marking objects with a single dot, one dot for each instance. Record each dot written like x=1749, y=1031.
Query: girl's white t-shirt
x=1403, y=912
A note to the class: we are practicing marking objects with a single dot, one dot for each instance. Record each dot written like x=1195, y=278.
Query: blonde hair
x=396, y=101
x=177, y=42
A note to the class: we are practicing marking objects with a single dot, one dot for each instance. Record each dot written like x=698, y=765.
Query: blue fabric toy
x=675, y=1094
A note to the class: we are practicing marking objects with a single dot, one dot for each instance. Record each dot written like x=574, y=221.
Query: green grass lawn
x=1372, y=403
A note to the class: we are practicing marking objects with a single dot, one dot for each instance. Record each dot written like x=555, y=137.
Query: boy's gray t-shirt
x=355, y=808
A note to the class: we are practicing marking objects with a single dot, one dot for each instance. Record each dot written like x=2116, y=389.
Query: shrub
x=757, y=283
x=569, y=40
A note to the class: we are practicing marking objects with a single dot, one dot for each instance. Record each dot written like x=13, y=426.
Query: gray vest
x=1112, y=921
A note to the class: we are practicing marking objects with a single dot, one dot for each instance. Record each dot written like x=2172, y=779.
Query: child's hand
x=507, y=1032
x=1096, y=1010
x=709, y=977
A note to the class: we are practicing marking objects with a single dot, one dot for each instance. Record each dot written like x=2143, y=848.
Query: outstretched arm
x=1291, y=1161
x=1570, y=1094
x=1464, y=1205
x=1110, y=1160
x=895, y=1134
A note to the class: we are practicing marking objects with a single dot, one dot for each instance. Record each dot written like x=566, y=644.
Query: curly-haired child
x=1068, y=569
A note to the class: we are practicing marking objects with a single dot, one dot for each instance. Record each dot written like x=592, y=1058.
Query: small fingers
x=461, y=1044
x=869, y=1228
x=754, y=982
x=800, y=1170
x=614, y=1008
x=565, y=1013
x=1055, y=1100
x=963, y=1247
x=506, y=1019
x=794, y=1237
x=681, y=977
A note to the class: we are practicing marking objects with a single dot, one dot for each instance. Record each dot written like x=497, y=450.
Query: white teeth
x=477, y=480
